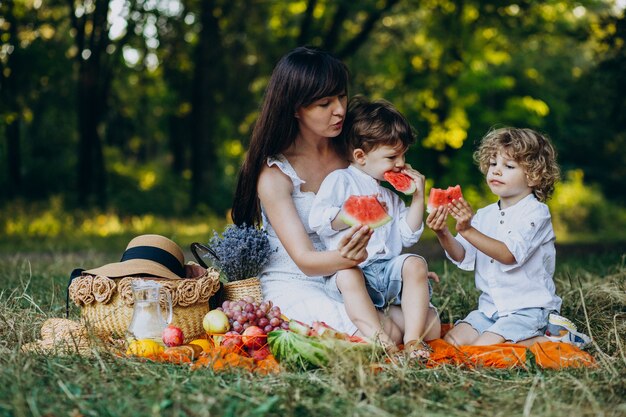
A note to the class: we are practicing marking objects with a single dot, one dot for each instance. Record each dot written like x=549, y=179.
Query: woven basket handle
x=199, y=252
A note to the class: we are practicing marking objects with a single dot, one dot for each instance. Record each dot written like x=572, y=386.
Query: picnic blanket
x=548, y=355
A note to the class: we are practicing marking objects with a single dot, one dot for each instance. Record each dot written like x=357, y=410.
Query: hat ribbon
x=157, y=255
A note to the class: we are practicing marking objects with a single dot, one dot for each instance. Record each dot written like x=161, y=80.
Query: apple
x=260, y=354
x=253, y=337
x=172, y=336
x=233, y=340
x=215, y=322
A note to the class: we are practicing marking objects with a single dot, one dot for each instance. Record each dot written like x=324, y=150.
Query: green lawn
x=592, y=284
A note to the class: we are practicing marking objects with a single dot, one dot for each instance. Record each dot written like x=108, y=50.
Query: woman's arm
x=274, y=189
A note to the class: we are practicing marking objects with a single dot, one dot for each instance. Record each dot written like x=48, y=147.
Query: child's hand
x=433, y=275
x=462, y=213
x=417, y=177
x=436, y=220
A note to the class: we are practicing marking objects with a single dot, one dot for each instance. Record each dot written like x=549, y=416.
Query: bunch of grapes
x=246, y=312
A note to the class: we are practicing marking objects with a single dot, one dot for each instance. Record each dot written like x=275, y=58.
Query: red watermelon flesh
x=365, y=210
x=401, y=182
x=439, y=197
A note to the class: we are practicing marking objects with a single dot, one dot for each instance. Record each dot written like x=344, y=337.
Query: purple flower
x=241, y=251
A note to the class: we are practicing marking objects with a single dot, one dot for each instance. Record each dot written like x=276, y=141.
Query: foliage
x=580, y=210
x=33, y=289
x=178, y=86
x=240, y=252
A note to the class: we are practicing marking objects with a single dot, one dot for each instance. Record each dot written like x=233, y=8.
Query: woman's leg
x=360, y=307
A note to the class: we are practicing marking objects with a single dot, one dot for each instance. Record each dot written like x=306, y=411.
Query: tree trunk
x=206, y=76
x=14, y=157
x=92, y=93
x=176, y=143
x=11, y=97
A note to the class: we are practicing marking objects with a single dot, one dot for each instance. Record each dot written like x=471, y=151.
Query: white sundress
x=299, y=296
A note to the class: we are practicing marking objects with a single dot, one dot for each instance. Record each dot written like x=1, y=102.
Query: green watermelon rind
x=297, y=351
x=353, y=221
x=389, y=177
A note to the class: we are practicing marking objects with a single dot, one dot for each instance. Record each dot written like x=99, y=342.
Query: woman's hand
x=353, y=244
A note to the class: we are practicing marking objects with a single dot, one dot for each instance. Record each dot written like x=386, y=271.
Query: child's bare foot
x=417, y=349
x=385, y=341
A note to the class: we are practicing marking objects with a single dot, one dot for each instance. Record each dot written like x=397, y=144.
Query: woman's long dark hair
x=301, y=77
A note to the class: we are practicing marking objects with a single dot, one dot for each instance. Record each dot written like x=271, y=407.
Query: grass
x=32, y=288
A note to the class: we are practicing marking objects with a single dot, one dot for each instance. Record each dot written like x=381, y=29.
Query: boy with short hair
x=377, y=137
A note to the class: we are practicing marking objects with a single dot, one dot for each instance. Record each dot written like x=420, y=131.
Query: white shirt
x=526, y=230
x=388, y=240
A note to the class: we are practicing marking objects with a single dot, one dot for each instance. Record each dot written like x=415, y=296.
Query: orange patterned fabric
x=549, y=355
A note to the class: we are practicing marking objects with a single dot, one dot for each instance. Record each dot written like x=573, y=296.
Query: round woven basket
x=109, y=313
x=237, y=290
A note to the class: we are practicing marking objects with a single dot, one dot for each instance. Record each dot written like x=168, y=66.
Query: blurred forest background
x=120, y=116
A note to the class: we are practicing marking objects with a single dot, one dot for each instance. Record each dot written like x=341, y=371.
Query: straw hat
x=152, y=255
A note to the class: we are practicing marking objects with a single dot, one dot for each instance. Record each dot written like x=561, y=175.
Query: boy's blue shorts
x=383, y=279
x=521, y=325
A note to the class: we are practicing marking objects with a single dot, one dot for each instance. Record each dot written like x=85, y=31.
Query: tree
x=12, y=72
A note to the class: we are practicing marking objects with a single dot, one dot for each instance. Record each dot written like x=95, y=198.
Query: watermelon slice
x=439, y=197
x=401, y=182
x=364, y=209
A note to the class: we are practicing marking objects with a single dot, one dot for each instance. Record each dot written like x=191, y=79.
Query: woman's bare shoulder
x=272, y=181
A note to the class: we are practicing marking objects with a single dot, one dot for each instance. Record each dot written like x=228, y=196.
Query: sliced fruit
x=299, y=327
x=401, y=182
x=365, y=210
x=439, y=197
x=323, y=330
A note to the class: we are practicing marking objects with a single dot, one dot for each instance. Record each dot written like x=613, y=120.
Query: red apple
x=253, y=337
x=173, y=336
x=260, y=354
x=232, y=340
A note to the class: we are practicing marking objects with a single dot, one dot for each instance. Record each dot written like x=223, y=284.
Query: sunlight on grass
x=27, y=226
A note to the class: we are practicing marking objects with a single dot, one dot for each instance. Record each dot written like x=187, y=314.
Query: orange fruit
x=145, y=348
x=203, y=343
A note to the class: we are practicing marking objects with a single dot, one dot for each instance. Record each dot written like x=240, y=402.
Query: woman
x=291, y=151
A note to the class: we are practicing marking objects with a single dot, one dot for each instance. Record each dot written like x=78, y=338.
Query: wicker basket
x=107, y=303
x=237, y=290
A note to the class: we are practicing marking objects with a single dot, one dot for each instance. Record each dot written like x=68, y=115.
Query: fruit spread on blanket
x=254, y=336
x=239, y=337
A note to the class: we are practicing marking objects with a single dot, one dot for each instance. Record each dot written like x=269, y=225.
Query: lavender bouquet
x=240, y=252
